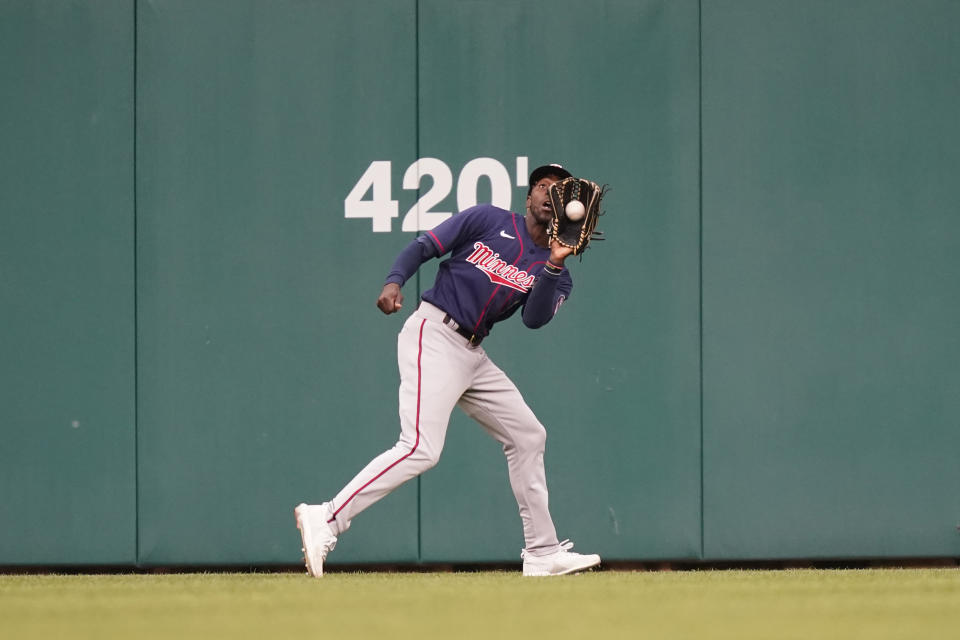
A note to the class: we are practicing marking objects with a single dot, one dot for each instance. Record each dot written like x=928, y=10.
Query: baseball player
x=499, y=263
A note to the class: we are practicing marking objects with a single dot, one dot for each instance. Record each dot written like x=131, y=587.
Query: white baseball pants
x=439, y=369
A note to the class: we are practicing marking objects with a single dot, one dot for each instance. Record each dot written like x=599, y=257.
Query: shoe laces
x=565, y=546
x=328, y=545
x=329, y=540
x=319, y=520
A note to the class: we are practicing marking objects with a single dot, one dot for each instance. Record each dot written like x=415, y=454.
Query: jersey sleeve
x=465, y=225
x=410, y=259
x=549, y=292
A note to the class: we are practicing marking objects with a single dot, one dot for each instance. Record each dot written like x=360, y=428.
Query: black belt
x=471, y=337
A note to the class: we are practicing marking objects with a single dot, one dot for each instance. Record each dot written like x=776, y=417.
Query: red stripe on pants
x=417, y=424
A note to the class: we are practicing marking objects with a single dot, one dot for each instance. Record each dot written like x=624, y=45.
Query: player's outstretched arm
x=548, y=292
x=559, y=253
x=391, y=299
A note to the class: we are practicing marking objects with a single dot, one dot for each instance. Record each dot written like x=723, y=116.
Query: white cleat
x=559, y=563
x=317, y=536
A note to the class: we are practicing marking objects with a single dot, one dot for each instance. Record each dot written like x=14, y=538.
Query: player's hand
x=390, y=300
x=558, y=253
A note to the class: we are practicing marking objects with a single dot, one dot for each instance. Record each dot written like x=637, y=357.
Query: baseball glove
x=575, y=234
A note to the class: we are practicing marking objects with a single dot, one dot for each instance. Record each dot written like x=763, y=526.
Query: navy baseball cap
x=547, y=170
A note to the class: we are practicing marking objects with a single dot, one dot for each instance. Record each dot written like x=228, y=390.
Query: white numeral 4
x=380, y=209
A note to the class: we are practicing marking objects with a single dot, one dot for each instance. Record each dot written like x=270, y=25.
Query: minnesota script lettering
x=499, y=271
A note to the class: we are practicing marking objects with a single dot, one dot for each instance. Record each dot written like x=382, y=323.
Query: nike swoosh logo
x=504, y=234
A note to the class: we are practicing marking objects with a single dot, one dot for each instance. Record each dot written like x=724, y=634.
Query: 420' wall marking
x=381, y=208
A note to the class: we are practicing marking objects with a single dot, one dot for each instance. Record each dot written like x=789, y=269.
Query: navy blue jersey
x=492, y=267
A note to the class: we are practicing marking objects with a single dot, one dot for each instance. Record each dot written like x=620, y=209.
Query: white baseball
x=575, y=210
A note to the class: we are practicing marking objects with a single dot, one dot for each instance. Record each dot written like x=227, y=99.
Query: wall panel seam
x=700, y=251
x=416, y=142
x=136, y=305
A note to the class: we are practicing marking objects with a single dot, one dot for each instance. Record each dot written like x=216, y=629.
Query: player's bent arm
x=413, y=255
x=410, y=259
x=544, y=298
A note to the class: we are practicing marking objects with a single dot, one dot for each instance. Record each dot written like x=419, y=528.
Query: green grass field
x=808, y=604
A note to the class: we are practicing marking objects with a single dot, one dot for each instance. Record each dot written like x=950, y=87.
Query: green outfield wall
x=199, y=202
x=68, y=491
